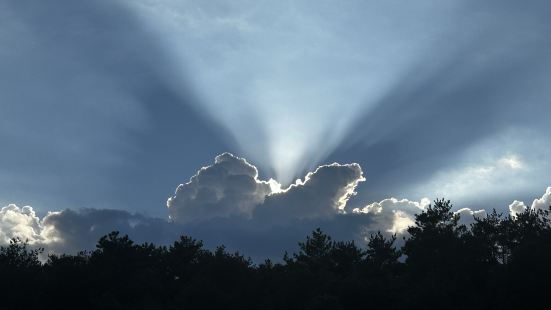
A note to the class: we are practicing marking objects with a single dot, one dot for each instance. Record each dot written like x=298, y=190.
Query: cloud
x=273, y=66
x=323, y=193
x=467, y=216
x=69, y=231
x=393, y=214
x=230, y=187
x=73, y=230
x=21, y=223
x=398, y=215
x=544, y=202
x=516, y=207
x=226, y=203
x=493, y=171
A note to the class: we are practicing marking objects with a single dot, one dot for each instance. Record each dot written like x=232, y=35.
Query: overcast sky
x=110, y=105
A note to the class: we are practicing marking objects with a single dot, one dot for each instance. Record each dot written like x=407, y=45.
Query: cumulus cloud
x=323, y=193
x=396, y=215
x=544, y=202
x=226, y=203
x=230, y=187
x=516, y=207
x=21, y=223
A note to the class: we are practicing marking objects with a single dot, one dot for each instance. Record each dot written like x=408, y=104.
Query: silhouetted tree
x=381, y=252
x=19, y=267
x=498, y=262
x=435, y=260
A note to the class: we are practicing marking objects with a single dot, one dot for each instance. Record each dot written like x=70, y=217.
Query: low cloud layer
x=74, y=230
x=227, y=203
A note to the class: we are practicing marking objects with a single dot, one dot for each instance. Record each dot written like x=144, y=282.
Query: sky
x=242, y=122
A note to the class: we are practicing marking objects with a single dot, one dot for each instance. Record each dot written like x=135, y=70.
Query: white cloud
x=323, y=193
x=226, y=198
x=227, y=203
x=393, y=215
x=393, y=203
x=229, y=187
x=20, y=222
x=401, y=221
x=544, y=202
x=516, y=207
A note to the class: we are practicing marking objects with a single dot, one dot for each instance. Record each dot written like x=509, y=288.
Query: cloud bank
x=227, y=203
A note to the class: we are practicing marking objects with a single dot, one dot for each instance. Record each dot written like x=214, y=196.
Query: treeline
x=499, y=262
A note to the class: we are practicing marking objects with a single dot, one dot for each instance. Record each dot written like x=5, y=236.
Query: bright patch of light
x=512, y=161
x=275, y=187
x=289, y=79
x=401, y=222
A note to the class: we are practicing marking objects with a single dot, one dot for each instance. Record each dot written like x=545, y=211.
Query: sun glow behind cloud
x=289, y=79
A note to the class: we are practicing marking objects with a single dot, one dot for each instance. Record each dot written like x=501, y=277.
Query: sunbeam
x=293, y=67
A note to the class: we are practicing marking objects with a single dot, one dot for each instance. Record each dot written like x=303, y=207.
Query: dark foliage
x=497, y=262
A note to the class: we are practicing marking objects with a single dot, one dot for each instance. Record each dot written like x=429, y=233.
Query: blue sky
x=112, y=104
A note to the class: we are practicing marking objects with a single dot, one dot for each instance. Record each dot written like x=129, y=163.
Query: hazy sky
x=112, y=104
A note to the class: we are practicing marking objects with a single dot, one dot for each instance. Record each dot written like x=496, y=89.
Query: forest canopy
x=497, y=261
